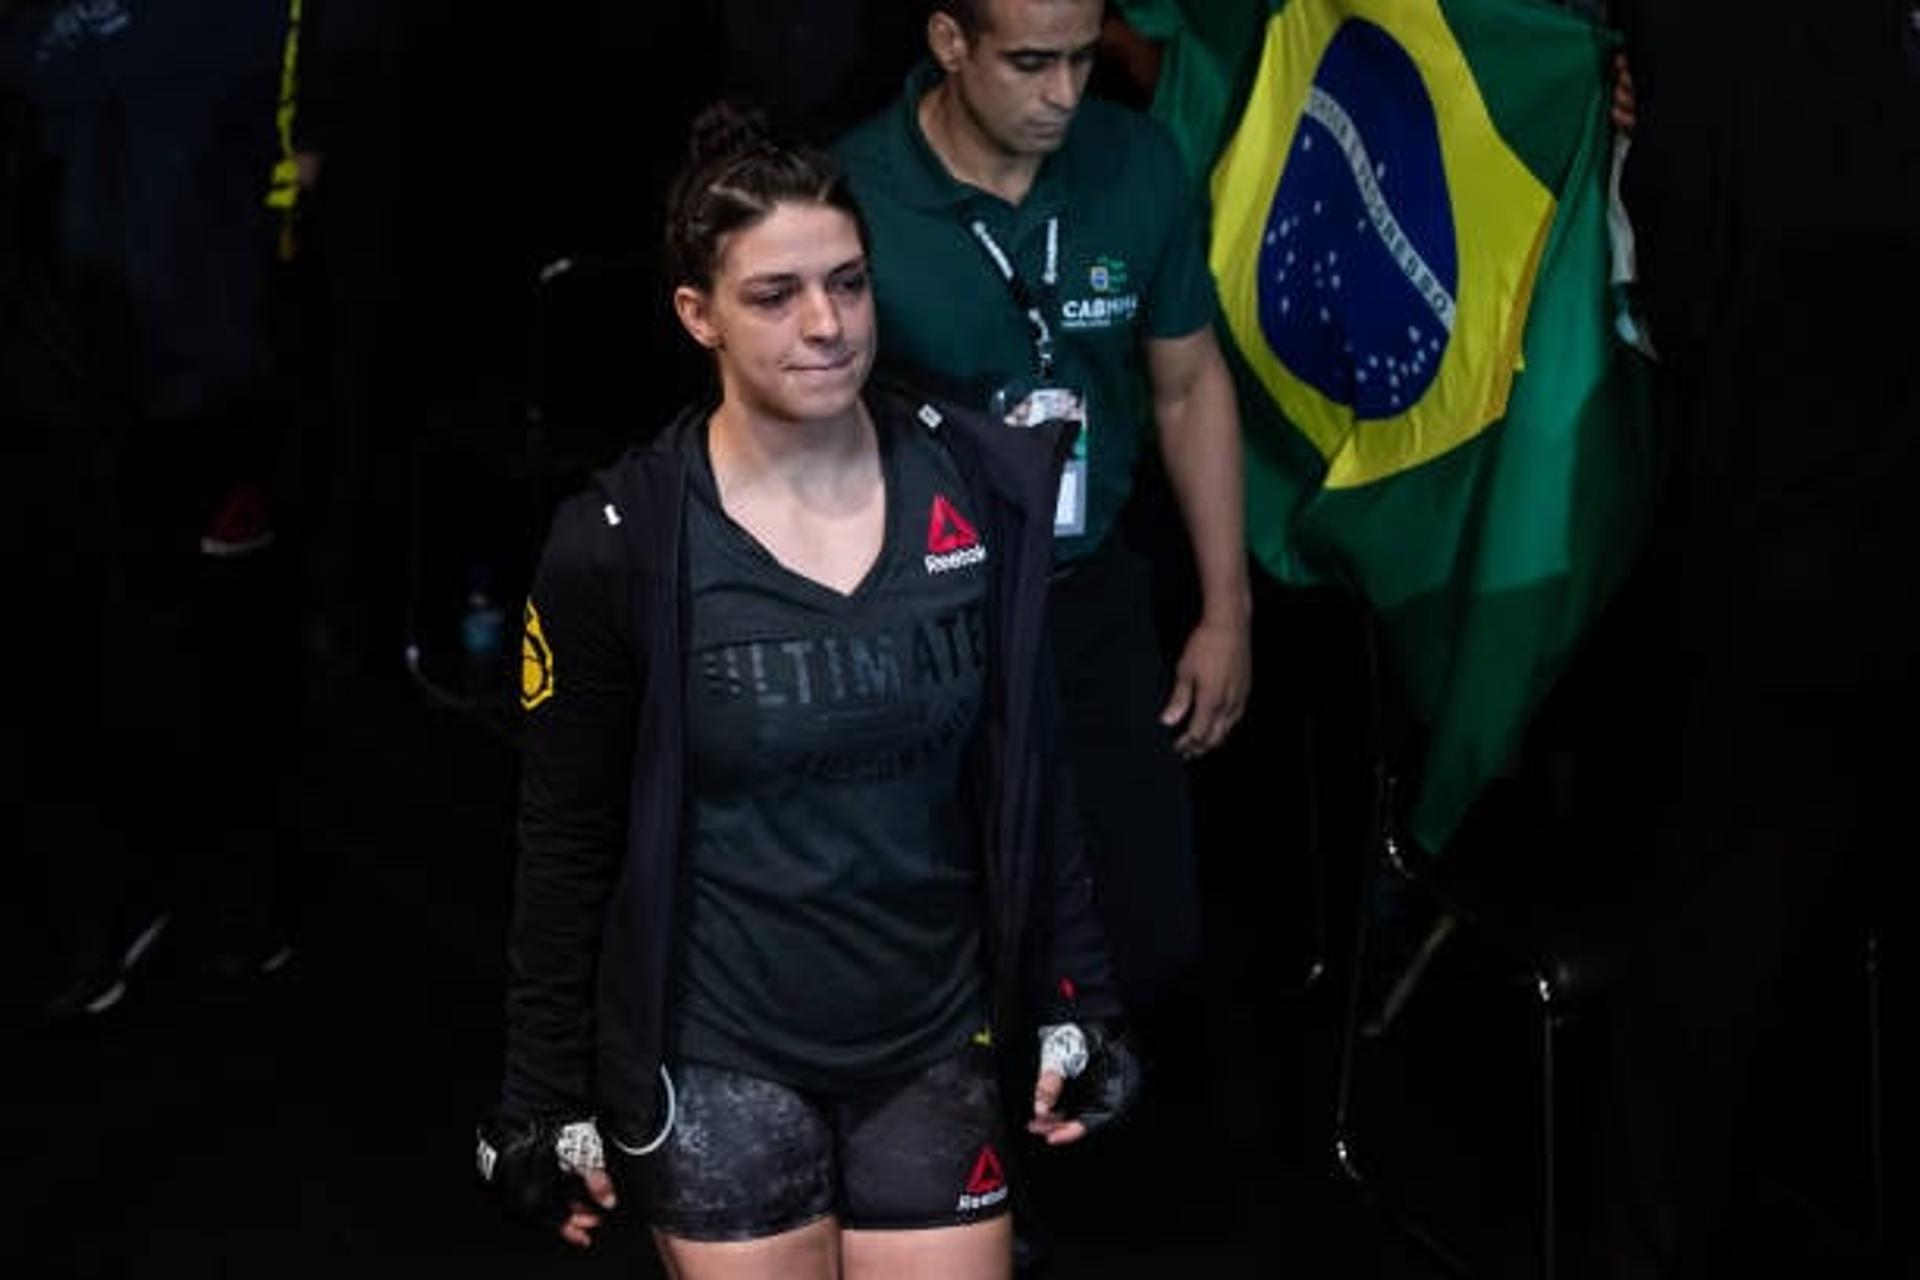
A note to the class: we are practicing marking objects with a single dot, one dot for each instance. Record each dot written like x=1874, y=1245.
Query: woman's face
x=790, y=313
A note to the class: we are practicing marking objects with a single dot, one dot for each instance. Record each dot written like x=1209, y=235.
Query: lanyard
x=1035, y=308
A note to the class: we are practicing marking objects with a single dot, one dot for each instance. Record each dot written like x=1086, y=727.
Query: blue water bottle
x=482, y=635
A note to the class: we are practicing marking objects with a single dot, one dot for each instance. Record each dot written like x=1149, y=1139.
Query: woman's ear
x=695, y=310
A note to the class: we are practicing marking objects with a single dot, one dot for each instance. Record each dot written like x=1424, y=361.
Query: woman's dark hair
x=736, y=172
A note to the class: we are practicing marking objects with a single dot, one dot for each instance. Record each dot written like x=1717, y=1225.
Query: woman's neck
x=822, y=461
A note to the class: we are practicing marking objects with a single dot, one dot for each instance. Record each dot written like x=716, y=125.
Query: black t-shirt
x=831, y=893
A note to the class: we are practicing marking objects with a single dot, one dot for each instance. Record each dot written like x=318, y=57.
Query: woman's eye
x=769, y=300
x=852, y=285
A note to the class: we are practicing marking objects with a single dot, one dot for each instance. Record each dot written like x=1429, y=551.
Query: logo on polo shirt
x=952, y=543
x=987, y=1185
x=1110, y=304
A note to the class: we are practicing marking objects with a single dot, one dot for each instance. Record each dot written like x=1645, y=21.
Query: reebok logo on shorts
x=986, y=1185
x=952, y=543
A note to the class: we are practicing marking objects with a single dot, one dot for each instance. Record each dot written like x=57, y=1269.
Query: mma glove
x=1103, y=1072
x=536, y=1168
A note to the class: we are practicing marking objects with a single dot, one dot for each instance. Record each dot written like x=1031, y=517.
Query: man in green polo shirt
x=1041, y=255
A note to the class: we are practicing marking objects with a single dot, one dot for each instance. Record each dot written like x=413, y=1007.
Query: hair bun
x=739, y=167
x=725, y=130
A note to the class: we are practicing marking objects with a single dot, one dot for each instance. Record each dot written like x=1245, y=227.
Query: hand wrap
x=536, y=1168
x=1103, y=1073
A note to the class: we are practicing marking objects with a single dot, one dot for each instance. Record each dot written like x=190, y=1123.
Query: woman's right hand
x=549, y=1172
x=583, y=1217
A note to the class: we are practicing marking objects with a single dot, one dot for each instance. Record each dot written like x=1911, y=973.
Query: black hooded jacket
x=603, y=781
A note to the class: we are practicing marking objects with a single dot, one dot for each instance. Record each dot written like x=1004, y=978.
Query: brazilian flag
x=1410, y=242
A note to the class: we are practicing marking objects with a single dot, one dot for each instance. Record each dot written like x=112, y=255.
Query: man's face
x=1021, y=77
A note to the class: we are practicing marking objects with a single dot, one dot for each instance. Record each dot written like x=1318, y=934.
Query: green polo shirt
x=1130, y=265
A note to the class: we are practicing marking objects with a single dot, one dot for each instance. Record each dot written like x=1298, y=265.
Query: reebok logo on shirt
x=952, y=543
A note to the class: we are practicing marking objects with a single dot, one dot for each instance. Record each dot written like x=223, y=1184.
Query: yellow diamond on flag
x=1375, y=240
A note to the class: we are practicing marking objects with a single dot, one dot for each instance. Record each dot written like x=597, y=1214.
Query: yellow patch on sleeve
x=536, y=662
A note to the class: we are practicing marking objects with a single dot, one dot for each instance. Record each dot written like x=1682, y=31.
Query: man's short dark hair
x=970, y=14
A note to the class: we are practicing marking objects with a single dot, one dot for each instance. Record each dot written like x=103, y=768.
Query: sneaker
x=249, y=954
x=98, y=984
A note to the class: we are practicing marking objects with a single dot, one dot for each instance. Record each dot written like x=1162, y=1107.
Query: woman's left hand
x=1047, y=1122
x=1105, y=1075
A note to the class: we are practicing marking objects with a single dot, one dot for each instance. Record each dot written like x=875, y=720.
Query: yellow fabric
x=536, y=662
x=1501, y=214
x=283, y=192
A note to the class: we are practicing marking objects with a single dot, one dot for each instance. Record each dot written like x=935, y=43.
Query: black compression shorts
x=749, y=1158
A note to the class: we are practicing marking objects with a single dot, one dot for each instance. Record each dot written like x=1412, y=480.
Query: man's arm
x=1199, y=428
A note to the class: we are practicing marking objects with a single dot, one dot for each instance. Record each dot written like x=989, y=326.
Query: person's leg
x=811, y=1252
x=743, y=1189
x=244, y=642
x=923, y=1183
x=983, y=1251
x=119, y=878
x=65, y=732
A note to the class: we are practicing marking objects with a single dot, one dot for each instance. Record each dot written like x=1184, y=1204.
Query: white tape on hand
x=1063, y=1048
x=579, y=1149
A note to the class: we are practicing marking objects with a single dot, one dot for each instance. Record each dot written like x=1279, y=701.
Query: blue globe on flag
x=1358, y=274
